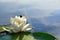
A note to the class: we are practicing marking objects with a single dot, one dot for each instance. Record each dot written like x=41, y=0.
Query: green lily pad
x=27, y=36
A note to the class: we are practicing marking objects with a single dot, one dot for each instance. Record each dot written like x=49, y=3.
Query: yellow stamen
x=19, y=21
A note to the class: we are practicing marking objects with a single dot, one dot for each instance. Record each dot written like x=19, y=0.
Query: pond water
x=41, y=19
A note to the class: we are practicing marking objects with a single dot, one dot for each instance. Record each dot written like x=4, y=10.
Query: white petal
x=17, y=27
x=24, y=18
x=28, y=29
x=26, y=26
x=11, y=20
x=15, y=23
x=15, y=16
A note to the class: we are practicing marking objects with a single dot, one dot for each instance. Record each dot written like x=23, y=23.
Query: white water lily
x=18, y=24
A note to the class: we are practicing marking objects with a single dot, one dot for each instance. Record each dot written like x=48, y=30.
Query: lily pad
x=27, y=36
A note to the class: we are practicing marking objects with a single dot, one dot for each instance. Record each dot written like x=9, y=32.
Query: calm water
x=41, y=19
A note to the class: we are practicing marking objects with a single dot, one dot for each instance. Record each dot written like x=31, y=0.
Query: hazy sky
x=42, y=4
x=48, y=5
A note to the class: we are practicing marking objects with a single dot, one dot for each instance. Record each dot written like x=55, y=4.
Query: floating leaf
x=6, y=28
x=27, y=36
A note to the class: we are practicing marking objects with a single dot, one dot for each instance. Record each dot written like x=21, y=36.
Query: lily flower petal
x=28, y=29
x=27, y=26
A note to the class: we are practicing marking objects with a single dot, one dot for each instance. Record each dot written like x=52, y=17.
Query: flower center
x=19, y=21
